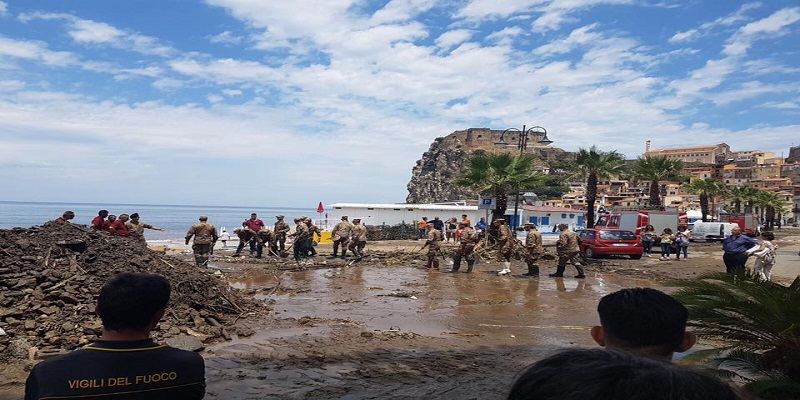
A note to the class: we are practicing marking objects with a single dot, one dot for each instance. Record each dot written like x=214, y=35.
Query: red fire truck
x=748, y=222
x=637, y=220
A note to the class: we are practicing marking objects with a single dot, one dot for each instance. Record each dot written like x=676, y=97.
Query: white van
x=711, y=231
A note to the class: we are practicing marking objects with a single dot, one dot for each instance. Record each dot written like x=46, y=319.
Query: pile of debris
x=51, y=275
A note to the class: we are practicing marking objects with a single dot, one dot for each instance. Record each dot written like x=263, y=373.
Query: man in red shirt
x=255, y=225
x=68, y=215
x=99, y=221
x=107, y=223
x=118, y=227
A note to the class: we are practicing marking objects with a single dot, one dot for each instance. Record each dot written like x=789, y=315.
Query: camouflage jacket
x=341, y=230
x=203, y=232
x=567, y=243
x=359, y=233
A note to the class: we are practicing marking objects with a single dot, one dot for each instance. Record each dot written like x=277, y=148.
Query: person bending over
x=643, y=321
x=124, y=363
x=599, y=374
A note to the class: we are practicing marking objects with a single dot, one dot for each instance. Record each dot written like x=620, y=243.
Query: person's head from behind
x=133, y=302
x=643, y=321
x=599, y=374
x=768, y=236
x=68, y=215
x=562, y=227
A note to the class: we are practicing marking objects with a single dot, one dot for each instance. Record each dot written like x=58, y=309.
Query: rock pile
x=50, y=277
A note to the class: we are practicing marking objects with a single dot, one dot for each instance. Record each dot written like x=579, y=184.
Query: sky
x=289, y=103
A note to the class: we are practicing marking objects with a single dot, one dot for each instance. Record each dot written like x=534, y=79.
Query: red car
x=610, y=242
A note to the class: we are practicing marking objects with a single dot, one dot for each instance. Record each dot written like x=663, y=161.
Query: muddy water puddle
x=432, y=303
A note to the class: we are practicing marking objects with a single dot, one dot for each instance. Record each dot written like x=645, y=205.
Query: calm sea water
x=174, y=218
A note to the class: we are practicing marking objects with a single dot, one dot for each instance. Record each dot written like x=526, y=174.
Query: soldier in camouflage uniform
x=264, y=237
x=568, y=252
x=433, y=242
x=358, y=238
x=245, y=235
x=300, y=235
x=205, y=235
x=533, y=245
x=340, y=236
x=313, y=231
x=281, y=229
x=466, y=247
x=505, y=242
x=136, y=228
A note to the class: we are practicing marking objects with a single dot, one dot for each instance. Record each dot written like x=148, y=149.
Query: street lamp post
x=522, y=144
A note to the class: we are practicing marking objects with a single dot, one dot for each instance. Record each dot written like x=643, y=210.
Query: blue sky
x=288, y=103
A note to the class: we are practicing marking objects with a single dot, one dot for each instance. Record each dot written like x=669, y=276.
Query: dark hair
x=600, y=374
x=102, y=212
x=134, y=215
x=643, y=317
x=130, y=300
x=768, y=235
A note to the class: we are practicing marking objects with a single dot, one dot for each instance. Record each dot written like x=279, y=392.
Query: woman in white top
x=765, y=256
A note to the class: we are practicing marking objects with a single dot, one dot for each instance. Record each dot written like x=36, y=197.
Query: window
x=563, y=216
x=572, y=216
x=617, y=235
x=587, y=234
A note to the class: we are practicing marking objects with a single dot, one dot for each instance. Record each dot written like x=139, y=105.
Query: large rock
x=432, y=179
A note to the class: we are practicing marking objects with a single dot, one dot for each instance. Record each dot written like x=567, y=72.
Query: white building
x=547, y=218
x=393, y=214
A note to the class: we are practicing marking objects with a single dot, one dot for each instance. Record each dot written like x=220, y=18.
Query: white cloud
x=99, y=33
x=704, y=29
x=34, y=50
x=401, y=10
x=85, y=31
x=453, y=38
x=226, y=37
x=3, y=8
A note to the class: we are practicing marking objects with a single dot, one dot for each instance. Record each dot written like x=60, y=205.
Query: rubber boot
x=429, y=264
x=456, y=265
x=506, y=268
x=580, y=271
x=559, y=272
x=435, y=264
x=344, y=252
x=533, y=269
x=470, y=264
x=259, y=250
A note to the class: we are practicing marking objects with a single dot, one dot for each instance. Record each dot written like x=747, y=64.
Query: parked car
x=610, y=242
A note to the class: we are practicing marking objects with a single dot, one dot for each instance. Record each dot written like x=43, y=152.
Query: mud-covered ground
x=387, y=328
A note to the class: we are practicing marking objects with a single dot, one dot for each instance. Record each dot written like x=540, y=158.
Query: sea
x=175, y=219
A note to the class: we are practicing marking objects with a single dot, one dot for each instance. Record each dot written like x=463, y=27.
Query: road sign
x=487, y=203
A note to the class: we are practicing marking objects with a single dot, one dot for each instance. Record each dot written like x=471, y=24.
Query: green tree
x=708, y=189
x=593, y=165
x=655, y=169
x=740, y=195
x=769, y=204
x=499, y=174
x=757, y=324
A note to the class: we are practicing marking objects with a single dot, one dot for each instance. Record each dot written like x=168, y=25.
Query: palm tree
x=770, y=204
x=739, y=195
x=593, y=165
x=756, y=322
x=655, y=169
x=499, y=174
x=707, y=189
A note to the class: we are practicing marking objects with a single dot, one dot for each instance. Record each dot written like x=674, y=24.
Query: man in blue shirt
x=482, y=226
x=736, y=248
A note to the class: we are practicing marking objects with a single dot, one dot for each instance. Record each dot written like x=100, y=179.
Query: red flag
x=320, y=208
